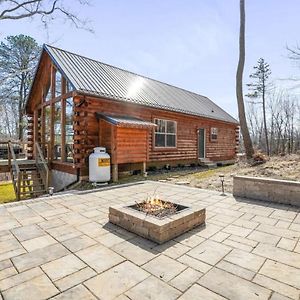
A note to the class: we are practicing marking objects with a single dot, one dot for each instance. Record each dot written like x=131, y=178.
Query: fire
x=155, y=206
x=155, y=201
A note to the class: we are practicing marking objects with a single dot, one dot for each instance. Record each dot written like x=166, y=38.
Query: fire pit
x=156, y=219
x=158, y=208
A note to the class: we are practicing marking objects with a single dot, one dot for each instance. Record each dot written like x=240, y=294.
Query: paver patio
x=64, y=248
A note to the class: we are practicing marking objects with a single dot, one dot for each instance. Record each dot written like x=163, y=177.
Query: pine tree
x=258, y=90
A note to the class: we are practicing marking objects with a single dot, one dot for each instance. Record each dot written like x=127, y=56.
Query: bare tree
x=283, y=110
x=239, y=85
x=46, y=10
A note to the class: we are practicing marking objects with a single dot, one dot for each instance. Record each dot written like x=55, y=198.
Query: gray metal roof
x=96, y=78
x=125, y=121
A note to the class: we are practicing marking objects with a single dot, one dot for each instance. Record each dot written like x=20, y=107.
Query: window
x=165, y=133
x=69, y=87
x=47, y=93
x=214, y=134
x=69, y=131
x=47, y=116
x=57, y=130
x=58, y=79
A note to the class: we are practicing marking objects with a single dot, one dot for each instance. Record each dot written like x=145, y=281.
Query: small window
x=214, y=134
x=165, y=133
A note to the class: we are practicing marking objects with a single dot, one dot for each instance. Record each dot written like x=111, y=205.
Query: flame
x=155, y=201
x=154, y=205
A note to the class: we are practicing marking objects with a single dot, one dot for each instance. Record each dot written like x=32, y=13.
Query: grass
x=211, y=172
x=7, y=193
x=163, y=175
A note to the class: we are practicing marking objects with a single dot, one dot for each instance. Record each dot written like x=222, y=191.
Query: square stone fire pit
x=157, y=229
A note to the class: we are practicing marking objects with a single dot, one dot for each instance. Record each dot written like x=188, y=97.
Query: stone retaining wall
x=273, y=190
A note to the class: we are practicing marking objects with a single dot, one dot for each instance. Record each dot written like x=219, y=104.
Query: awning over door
x=125, y=121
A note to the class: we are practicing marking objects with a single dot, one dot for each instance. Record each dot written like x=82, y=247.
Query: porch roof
x=125, y=121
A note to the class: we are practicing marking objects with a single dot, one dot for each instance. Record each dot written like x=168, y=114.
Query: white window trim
x=165, y=133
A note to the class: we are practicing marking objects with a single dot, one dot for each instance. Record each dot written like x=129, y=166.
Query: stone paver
x=78, y=292
x=236, y=270
x=274, y=285
x=153, y=288
x=263, y=237
x=281, y=255
x=281, y=273
x=35, y=289
x=39, y=256
x=27, y=232
x=185, y=279
x=209, y=252
x=200, y=292
x=287, y=244
x=164, y=267
x=38, y=242
x=64, y=248
x=232, y=287
x=18, y=279
x=62, y=267
x=195, y=263
x=99, y=258
x=78, y=243
x=116, y=281
x=244, y=259
x=134, y=252
x=75, y=278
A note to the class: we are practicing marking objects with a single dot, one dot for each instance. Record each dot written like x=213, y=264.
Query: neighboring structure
x=77, y=103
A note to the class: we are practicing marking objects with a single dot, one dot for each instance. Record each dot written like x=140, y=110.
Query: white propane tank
x=99, y=165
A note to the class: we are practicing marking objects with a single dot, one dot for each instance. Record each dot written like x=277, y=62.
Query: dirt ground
x=287, y=167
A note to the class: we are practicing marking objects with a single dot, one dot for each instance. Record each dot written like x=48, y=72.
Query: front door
x=201, y=143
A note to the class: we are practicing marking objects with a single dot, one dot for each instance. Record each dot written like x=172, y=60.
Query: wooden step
x=27, y=168
x=31, y=185
x=34, y=192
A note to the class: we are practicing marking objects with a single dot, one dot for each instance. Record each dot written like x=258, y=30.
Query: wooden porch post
x=35, y=130
x=115, y=176
x=144, y=169
x=52, y=110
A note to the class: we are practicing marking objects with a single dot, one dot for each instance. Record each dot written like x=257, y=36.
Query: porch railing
x=14, y=170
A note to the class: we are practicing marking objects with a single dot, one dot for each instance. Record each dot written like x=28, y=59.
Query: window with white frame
x=165, y=133
x=214, y=133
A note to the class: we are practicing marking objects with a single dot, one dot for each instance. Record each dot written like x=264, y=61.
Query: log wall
x=87, y=135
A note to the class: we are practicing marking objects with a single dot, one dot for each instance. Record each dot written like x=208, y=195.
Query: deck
x=4, y=168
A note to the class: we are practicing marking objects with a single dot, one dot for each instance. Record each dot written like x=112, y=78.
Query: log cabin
x=77, y=103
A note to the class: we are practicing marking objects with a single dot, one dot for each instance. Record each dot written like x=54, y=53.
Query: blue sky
x=192, y=44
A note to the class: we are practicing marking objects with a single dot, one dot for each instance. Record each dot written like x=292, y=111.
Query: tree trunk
x=239, y=85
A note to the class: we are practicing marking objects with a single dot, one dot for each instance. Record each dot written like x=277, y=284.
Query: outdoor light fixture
x=51, y=190
x=222, y=181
